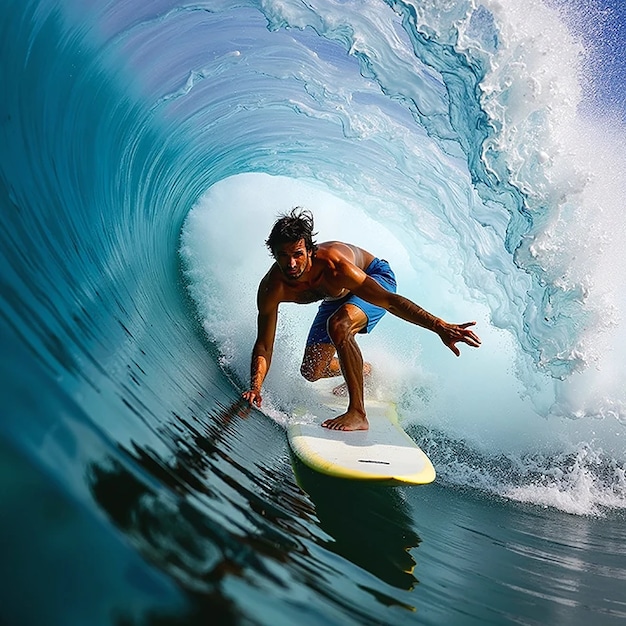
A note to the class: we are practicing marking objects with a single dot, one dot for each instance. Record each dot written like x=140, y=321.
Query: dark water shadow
x=171, y=507
x=370, y=525
x=168, y=535
x=168, y=506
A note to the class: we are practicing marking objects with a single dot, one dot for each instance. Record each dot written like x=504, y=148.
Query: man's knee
x=342, y=326
x=309, y=371
x=316, y=361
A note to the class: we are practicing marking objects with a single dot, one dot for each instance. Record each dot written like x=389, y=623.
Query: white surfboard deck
x=384, y=453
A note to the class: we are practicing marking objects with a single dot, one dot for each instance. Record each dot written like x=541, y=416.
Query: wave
x=493, y=181
x=146, y=150
x=476, y=404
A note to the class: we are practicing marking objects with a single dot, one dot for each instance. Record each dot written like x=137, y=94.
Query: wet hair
x=290, y=228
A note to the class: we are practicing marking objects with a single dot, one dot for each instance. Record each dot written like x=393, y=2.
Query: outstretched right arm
x=264, y=344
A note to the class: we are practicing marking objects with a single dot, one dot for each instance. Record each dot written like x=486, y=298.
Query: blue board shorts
x=380, y=271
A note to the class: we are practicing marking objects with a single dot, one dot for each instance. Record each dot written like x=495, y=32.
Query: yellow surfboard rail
x=385, y=454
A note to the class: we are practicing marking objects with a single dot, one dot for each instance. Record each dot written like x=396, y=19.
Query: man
x=356, y=290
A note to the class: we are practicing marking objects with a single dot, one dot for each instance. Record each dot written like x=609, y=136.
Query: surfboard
x=383, y=454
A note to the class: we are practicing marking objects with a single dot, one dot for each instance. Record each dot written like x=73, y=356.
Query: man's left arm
x=367, y=288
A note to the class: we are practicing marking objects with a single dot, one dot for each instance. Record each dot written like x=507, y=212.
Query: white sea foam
x=528, y=243
x=476, y=399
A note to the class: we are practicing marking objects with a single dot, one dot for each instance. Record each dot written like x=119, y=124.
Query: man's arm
x=367, y=288
x=263, y=346
x=450, y=334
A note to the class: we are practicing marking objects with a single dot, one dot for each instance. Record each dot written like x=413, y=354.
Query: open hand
x=253, y=396
x=451, y=334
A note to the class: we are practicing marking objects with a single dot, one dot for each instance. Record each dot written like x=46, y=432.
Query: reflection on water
x=369, y=525
x=173, y=510
x=209, y=514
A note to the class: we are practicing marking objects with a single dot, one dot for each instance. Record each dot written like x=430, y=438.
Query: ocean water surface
x=145, y=152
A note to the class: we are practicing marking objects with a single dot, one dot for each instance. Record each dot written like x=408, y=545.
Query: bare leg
x=342, y=390
x=342, y=327
x=319, y=361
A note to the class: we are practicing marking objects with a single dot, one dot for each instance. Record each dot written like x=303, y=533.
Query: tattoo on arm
x=258, y=371
x=405, y=309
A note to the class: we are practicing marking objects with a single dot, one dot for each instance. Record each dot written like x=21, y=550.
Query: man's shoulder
x=335, y=251
x=334, y=246
x=270, y=292
x=343, y=259
x=272, y=279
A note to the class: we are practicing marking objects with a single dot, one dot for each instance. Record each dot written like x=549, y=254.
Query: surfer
x=356, y=290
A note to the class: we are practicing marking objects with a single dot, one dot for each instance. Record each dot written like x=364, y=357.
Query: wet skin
x=335, y=269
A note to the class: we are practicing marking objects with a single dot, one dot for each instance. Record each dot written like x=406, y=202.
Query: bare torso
x=333, y=271
x=326, y=276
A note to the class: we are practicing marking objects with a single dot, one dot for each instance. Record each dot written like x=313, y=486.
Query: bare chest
x=308, y=295
x=318, y=292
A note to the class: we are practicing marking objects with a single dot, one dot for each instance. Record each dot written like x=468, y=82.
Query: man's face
x=293, y=259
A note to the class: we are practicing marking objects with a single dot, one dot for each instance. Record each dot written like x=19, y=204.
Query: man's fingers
x=467, y=324
x=469, y=336
x=252, y=398
x=453, y=333
x=472, y=340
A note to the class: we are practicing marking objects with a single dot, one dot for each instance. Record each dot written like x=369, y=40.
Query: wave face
x=146, y=149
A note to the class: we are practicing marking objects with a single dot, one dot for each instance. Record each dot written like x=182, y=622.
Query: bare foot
x=347, y=421
x=342, y=390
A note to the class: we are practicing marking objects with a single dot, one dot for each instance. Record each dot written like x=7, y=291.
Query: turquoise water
x=145, y=149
